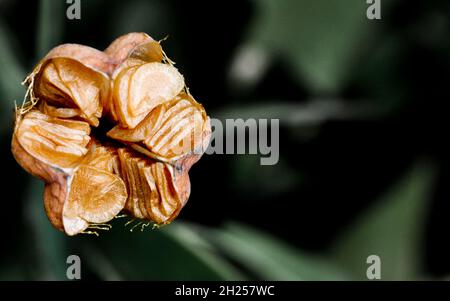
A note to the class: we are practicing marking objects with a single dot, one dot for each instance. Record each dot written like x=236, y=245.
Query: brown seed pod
x=141, y=166
x=88, y=56
x=136, y=45
x=81, y=187
x=66, y=83
x=138, y=89
x=72, y=63
x=171, y=131
x=157, y=191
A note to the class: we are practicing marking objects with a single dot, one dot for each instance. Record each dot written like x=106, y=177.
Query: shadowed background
x=364, y=164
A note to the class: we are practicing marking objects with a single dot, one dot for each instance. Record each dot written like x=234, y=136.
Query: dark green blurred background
x=364, y=166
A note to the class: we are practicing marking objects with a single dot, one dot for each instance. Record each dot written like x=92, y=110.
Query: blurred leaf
x=99, y=264
x=47, y=246
x=392, y=229
x=152, y=17
x=269, y=258
x=304, y=120
x=311, y=113
x=171, y=253
x=248, y=67
x=11, y=76
x=262, y=182
x=50, y=25
x=322, y=40
x=198, y=246
x=12, y=272
x=379, y=77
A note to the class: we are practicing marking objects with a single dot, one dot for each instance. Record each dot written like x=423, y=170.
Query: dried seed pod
x=171, y=131
x=131, y=52
x=102, y=157
x=67, y=83
x=53, y=111
x=150, y=52
x=88, y=56
x=77, y=194
x=54, y=141
x=136, y=42
x=71, y=76
x=157, y=191
x=139, y=89
x=95, y=197
x=162, y=131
